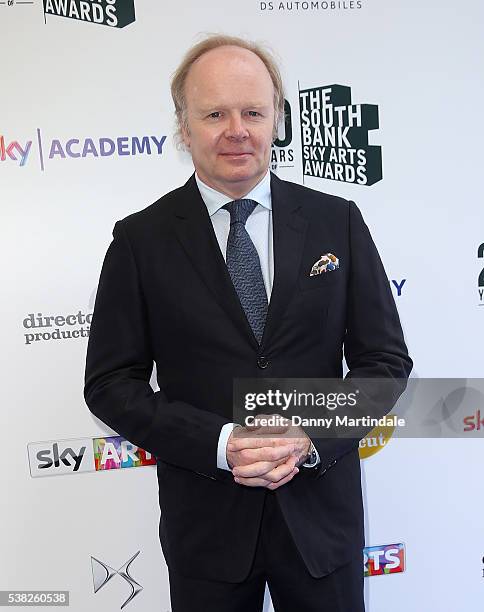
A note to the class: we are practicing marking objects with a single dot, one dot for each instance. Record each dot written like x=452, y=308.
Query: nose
x=236, y=129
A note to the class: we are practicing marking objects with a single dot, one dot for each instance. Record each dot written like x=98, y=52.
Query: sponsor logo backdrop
x=379, y=109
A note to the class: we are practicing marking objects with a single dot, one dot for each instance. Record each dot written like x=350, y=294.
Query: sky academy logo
x=113, y=13
x=13, y=150
x=55, y=149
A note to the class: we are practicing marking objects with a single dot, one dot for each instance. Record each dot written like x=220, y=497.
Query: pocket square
x=327, y=263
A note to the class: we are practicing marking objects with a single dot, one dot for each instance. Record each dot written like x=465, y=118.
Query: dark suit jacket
x=165, y=295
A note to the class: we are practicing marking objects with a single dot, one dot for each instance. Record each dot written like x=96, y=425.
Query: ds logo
x=102, y=574
x=386, y=559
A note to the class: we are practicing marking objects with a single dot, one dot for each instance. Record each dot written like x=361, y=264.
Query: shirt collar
x=214, y=200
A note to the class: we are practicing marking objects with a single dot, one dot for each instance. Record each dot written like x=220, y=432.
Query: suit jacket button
x=262, y=362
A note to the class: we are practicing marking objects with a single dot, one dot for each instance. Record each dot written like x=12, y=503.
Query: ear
x=185, y=135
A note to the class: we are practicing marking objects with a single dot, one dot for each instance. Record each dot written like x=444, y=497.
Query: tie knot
x=240, y=210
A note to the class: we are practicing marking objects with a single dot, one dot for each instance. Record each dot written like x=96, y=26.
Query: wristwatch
x=312, y=458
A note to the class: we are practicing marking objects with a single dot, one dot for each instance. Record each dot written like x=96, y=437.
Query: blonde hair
x=214, y=41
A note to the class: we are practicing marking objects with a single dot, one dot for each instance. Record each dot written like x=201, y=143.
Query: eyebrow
x=208, y=109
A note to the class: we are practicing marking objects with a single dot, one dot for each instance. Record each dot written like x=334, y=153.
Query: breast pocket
x=320, y=281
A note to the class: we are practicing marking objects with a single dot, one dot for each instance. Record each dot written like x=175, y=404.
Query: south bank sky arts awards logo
x=334, y=137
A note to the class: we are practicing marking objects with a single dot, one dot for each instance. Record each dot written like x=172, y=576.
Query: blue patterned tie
x=244, y=266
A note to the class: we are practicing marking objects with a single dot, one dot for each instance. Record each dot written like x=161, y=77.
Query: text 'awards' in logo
x=334, y=136
x=102, y=574
x=386, y=559
x=114, y=13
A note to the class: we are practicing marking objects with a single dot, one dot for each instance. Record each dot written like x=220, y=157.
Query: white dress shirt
x=259, y=228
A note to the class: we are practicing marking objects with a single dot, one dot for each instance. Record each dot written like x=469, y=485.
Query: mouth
x=236, y=154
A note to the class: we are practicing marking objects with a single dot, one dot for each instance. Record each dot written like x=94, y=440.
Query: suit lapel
x=289, y=231
x=195, y=232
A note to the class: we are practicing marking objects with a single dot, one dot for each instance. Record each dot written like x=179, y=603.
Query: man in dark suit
x=212, y=282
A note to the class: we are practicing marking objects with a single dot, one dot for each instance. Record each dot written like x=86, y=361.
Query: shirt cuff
x=222, y=445
x=317, y=459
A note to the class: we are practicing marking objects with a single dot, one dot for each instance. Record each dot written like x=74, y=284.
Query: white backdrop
x=68, y=80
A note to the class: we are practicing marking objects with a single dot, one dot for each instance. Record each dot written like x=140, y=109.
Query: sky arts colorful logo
x=85, y=455
x=386, y=559
x=116, y=452
x=13, y=151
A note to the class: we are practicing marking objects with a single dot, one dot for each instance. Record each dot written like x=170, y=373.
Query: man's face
x=230, y=115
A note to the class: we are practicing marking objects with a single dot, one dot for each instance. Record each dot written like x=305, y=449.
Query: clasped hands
x=266, y=456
